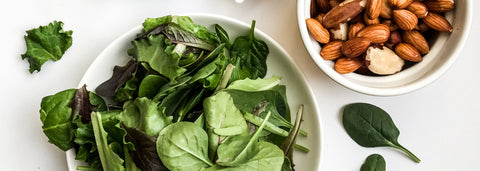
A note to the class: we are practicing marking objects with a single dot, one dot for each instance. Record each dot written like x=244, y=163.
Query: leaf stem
x=227, y=73
x=410, y=154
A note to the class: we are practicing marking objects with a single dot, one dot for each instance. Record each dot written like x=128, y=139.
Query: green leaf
x=150, y=86
x=249, y=55
x=145, y=154
x=46, y=43
x=371, y=126
x=223, y=35
x=374, y=162
x=110, y=160
x=222, y=119
x=183, y=146
x=256, y=84
x=143, y=114
x=211, y=74
x=153, y=50
x=289, y=142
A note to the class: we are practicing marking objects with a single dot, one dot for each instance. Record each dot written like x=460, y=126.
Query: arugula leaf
x=183, y=146
x=249, y=55
x=46, y=43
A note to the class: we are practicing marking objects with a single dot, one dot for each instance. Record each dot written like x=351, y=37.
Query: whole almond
x=417, y=40
x=400, y=3
x=319, y=17
x=318, y=32
x=437, y=22
x=373, y=8
x=405, y=19
x=353, y=29
x=422, y=27
x=418, y=8
x=347, y=65
x=387, y=11
x=390, y=24
x=355, y=47
x=369, y=21
x=408, y=52
x=332, y=50
x=323, y=5
x=343, y=13
x=377, y=33
x=440, y=6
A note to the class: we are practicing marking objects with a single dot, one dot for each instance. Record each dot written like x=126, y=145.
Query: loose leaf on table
x=110, y=160
x=121, y=74
x=371, y=126
x=249, y=55
x=143, y=114
x=145, y=155
x=374, y=162
x=183, y=146
x=46, y=43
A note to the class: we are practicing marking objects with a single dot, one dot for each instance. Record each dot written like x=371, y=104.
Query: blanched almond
x=353, y=29
x=408, y=52
x=373, y=8
x=347, y=65
x=332, y=50
x=418, y=8
x=377, y=33
x=405, y=19
x=440, y=6
x=343, y=13
x=417, y=40
x=437, y=22
x=355, y=47
x=318, y=32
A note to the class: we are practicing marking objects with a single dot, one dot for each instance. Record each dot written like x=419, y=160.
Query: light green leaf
x=110, y=160
x=143, y=114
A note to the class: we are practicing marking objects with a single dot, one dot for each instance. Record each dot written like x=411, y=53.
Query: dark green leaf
x=46, y=43
x=223, y=35
x=374, y=162
x=371, y=126
x=150, y=86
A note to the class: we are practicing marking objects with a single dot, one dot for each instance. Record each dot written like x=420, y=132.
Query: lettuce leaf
x=46, y=43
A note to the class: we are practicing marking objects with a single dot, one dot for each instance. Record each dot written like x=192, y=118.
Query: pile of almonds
x=376, y=37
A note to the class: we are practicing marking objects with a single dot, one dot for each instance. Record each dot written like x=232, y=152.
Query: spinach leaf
x=150, y=86
x=223, y=36
x=110, y=160
x=222, y=119
x=143, y=114
x=247, y=153
x=145, y=155
x=374, y=162
x=121, y=74
x=46, y=43
x=183, y=146
x=249, y=55
x=371, y=126
x=156, y=52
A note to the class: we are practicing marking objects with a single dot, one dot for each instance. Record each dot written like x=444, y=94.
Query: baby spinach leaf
x=150, y=86
x=374, y=162
x=121, y=74
x=222, y=119
x=110, y=160
x=183, y=146
x=223, y=35
x=249, y=55
x=153, y=50
x=371, y=126
x=46, y=43
x=143, y=114
x=145, y=155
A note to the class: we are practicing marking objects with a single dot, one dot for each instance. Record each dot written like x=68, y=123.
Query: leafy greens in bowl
x=196, y=111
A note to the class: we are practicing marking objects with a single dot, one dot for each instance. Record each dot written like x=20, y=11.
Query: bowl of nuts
x=384, y=47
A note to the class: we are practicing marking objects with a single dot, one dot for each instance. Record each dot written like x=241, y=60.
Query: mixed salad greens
x=189, y=99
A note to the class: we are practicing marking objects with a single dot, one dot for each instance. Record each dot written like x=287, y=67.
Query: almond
x=373, y=8
x=422, y=27
x=390, y=25
x=437, y=22
x=387, y=11
x=343, y=13
x=405, y=19
x=318, y=32
x=313, y=9
x=369, y=21
x=353, y=29
x=408, y=52
x=400, y=3
x=418, y=8
x=355, y=47
x=347, y=65
x=377, y=33
x=319, y=17
x=334, y=3
x=323, y=5
x=440, y=6
x=416, y=39
x=332, y=50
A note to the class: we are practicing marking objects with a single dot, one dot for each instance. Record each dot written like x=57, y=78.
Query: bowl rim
x=303, y=5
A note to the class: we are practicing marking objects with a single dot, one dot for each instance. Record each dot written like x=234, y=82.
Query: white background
x=439, y=123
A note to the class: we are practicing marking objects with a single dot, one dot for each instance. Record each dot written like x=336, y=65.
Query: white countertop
x=439, y=123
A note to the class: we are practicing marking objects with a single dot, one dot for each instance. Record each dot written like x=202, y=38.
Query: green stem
x=225, y=77
x=410, y=154
x=301, y=148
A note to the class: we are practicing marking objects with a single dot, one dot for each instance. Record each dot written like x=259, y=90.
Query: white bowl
x=443, y=52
